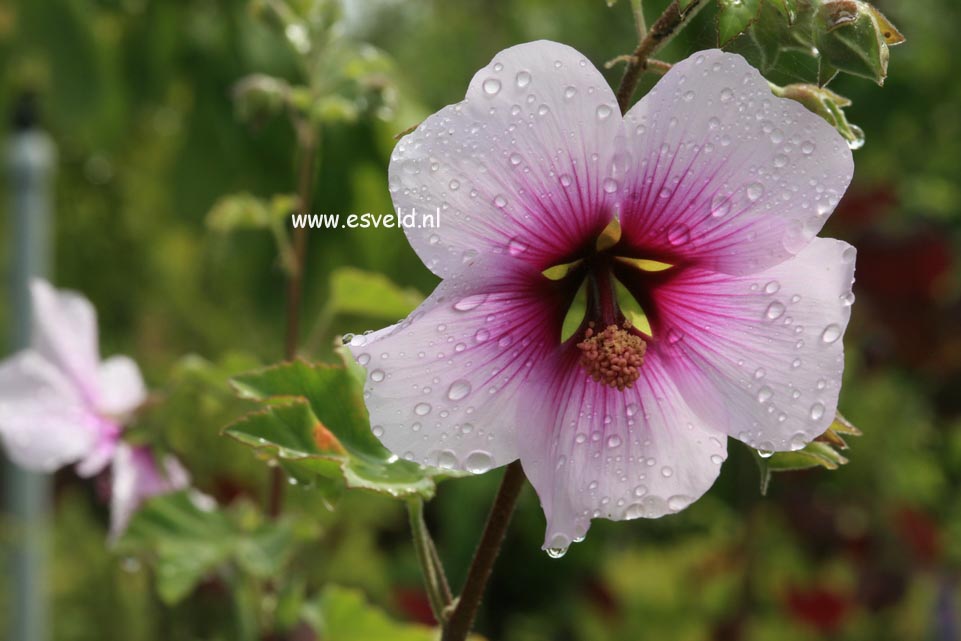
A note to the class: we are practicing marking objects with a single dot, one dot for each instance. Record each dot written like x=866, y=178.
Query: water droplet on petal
x=377, y=375
x=817, y=411
x=764, y=394
x=492, y=86
x=614, y=441
x=458, y=390
x=775, y=310
x=755, y=191
x=720, y=205
x=523, y=78
x=570, y=92
x=478, y=462
x=422, y=409
x=831, y=333
x=610, y=185
x=468, y=303
x=727, y=95
x=604, y=112
x=678, y=234
x=558, y=546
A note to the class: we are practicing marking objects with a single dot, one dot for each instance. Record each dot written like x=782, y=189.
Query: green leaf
x=734, y=17
x=353, y=291
x=824, y=451
x=315, y=423
x=339, y=614
x=850, y=39
x=238, y=211
x=191, y=539
x=684, y=5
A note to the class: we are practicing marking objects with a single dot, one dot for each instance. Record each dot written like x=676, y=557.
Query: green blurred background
x=138, y=95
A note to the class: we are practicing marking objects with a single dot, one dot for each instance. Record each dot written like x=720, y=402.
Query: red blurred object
x=414, y=603
x=819, y=607
x=921, y=534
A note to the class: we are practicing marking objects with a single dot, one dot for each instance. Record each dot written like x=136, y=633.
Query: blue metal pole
x=30, y=159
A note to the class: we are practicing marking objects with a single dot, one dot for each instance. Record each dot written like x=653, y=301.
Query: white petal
x=760, y=357
x=137, y=478
x=121, y=387
x=65, y=334
x=592, y=451
x=732, y=178
x=442, y=386
x=43, y=422
x=522, y=167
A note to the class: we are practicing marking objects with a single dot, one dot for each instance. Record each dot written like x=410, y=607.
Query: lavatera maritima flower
x=61, y=405
x=712, y=309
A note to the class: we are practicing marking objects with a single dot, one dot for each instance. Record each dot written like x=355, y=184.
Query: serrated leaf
x=339, y=614
x=734, y=17
x=354, y=291
x=315, y=423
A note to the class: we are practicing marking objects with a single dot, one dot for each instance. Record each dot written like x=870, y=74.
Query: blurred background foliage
x=142, y=99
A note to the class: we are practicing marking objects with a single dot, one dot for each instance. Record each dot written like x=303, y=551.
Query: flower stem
x=458, y=625
x=660, y=33
x=435, y=581
x=637, y=6
x=307, y=140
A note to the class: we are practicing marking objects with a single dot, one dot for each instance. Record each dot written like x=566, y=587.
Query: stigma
x=613, y=356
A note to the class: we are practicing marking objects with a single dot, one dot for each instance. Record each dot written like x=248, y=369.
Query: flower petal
x=65, y=334
x=136, y=478
x=594, y=452
x=521, y=167
x=43, y=421
x=760, y=357
x=121, y=386
x=731, y=177
x=443, y=385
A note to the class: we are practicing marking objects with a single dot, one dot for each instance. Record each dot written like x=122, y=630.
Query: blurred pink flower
x=137, y=476
x=718, y=189
x=60, y=404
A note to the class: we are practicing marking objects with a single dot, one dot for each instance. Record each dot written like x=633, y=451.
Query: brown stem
x=661, y=31
x=307, y=153
x=461, y=619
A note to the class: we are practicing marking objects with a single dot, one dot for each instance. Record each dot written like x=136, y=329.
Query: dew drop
x=772, y=287
x=515, y=159
x=604, y=112
x=570, y=92
x=831, y=333
x=492, y=86
x=377, y=375
x=499, y=201
x=523, y=78
x=614, y=441
x=610, y=185
x=764, y=394
x=755, y=191
x=378, y=431
x=678, y=234
x=720, y=206
x=727, y=95
x=458, y=390
x=807, y=147
x=478, y=462
x=516, y=247
x=775, y=310
x=422, y=409
x=468, y=303
x=817, y=411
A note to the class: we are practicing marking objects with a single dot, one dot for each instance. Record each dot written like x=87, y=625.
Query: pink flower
x=138, y=476
x=59, y=403
x=718, y=189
